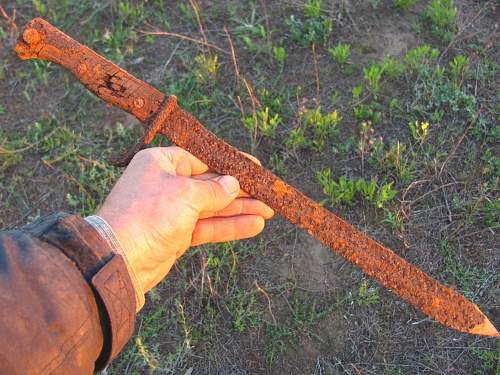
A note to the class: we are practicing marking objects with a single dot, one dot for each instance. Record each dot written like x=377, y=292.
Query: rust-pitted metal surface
x=115, y=86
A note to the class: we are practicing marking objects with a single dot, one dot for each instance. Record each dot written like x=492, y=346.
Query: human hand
x=166, y=201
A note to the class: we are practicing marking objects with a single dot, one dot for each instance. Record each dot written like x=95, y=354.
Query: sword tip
x=486, y=328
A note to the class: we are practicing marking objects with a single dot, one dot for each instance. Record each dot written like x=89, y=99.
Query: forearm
x=67, y=300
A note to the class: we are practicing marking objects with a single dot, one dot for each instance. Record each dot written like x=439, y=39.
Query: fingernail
x=230, y=184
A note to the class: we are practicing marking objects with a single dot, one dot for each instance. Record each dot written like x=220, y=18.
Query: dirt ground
x=282, y=303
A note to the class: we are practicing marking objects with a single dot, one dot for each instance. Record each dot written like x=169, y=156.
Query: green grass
x=302, y=317
x=467, y=279
x=59, y=148
x=489, y=361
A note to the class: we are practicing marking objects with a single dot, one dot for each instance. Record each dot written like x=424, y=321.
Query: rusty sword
x=160, y=113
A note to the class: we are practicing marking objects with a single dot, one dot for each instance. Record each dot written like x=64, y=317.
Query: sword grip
x=41, y=40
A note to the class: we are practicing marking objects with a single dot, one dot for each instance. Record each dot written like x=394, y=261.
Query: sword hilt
x=41, y=40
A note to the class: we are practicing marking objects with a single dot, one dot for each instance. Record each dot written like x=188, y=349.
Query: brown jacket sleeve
x=66, y=300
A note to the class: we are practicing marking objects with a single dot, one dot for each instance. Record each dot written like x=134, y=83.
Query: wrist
x=107, y=234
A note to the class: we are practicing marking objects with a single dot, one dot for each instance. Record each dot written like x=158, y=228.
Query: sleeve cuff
x=107, y=233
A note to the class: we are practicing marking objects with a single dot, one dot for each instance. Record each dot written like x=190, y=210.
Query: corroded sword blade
x=116, y=86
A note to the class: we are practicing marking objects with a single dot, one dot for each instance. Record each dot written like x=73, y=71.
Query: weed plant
x=345, y=190
x=441, y=15
x=315, y=28
x=341, y=53
x=405, y=4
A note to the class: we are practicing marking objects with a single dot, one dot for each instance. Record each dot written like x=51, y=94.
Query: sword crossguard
x=168, y=105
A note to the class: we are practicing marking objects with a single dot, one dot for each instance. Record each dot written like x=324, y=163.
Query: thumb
x=215, y=194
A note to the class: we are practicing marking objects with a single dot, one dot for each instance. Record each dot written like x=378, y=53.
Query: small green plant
x=367, y=295
x=280, y=55
x=344, y=147
x=250, y=45
x=397, y=161
x=187, y=12
x=263, y=123
x=419, y=131
x=420, y=58
x=270, y=100
x=206, y=67
x=459, y=68
x=376, y=195
x=8, y=155
x=191, y=94
x=395, y=105
x=306, y=315
x=391, y=369
x=37, y=74
x=252, y=32
x=405, y=4
x=435, y=93
x=346, y=190
x=243, y=310
x=120, y=37
x=312, y=9
x=314, y=29
x=60, y=147
x=296, y=139
x=278, y=164
x=492, y=166
x=280, y=337
x=367, y=189
x=3, y=110
x=310, y=31
x=149, y=357
x=384, y=194
x=341, y=53
x=394, y=220
x=442, y=14
x=368, y=112
x=372, y=76
x=40, y=7
x=324, y=126
x=342, y=191
x=357, y=91
x=491, y=213
x=392, y=68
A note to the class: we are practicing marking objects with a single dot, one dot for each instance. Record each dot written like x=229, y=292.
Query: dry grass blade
x=183, y=37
